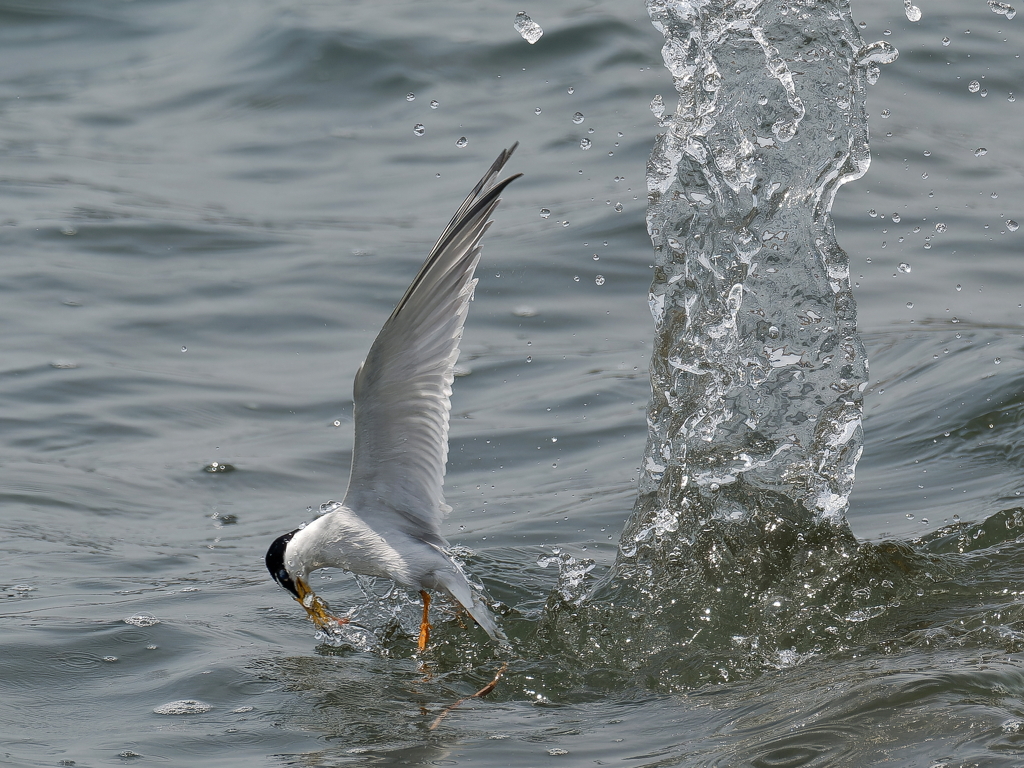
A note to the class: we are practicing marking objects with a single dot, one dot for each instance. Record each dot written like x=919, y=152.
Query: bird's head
x=315, y=608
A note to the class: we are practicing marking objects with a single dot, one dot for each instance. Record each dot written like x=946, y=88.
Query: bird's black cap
x=275, y=562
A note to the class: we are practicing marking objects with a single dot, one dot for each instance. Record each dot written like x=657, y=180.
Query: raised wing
x=403, y=387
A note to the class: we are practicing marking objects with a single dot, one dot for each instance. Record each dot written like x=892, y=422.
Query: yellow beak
x=317, y=610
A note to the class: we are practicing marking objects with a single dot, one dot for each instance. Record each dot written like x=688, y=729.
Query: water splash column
x=757, y=370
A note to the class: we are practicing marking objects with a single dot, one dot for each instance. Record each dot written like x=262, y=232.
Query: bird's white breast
x=340, y=539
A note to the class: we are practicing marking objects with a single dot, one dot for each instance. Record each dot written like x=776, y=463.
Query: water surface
x=207, y=212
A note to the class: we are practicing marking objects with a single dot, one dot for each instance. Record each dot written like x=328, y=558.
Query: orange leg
x=424, y=624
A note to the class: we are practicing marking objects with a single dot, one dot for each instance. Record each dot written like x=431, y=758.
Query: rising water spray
x=757, y=372
x=738, y=539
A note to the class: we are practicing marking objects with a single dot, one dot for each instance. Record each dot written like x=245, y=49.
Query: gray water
x=207, y=212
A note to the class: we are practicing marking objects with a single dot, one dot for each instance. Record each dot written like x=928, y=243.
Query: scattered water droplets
x=141, y=620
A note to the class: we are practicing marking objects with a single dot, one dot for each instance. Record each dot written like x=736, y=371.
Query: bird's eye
x=282, y=575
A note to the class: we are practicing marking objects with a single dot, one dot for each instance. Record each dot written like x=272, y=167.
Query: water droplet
x=545, y=212
x=558, y=751
x=529, y=359
x=537, y=111
x=578, y=118
x=895, y=218
x=575, y=278
x=418, y=129
x=571, y=90
x=565, y=223
x=885, y=113
x=218, y=467
x=337, y=423
x=910, y=515
x=434, y=104
x=980, y=151
x=974, y=86
x=585, y=143
x=994, y=195
x=599, y=279
x=959, y=287
x=904, y=267
x=142, y=620
x=410, y=97
x=1002, y=8
x=910, y=305
x=1012, y=225
x=927, y=245
x=527, y=28
x=998, y=360
x=618, y=207
x=940, y=227
x=463, y=141
x=110, y=659
x=873, y=213
x=912, y=11
x=658, y=107
x=596, y=257
x=945, y=41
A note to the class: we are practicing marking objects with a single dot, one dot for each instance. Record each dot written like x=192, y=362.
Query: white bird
x=389, y=523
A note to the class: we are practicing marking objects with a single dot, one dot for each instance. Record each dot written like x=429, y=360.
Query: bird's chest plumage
x=342, y=540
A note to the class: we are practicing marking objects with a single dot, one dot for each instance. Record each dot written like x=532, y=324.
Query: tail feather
x=458, y=587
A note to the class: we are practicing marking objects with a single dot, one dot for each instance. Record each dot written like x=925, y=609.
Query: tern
x=389, y=524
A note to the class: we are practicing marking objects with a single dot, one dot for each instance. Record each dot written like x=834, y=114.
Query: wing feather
x=402, y=390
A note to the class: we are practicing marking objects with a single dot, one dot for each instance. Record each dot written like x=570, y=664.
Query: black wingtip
x=275, y=562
